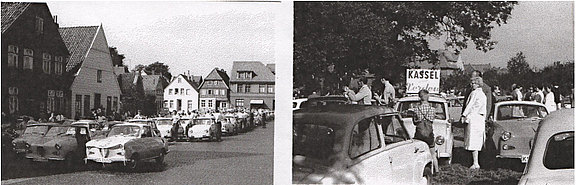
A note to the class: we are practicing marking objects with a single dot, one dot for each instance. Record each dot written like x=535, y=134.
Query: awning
x=256, y=101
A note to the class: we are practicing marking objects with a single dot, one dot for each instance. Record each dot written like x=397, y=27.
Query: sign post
x=418, y=79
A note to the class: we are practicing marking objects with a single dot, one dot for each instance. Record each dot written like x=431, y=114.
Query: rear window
x=508, y=112
x=313, y=141
x=560, y=151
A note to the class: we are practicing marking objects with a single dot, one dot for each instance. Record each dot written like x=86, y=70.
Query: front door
x=178, y=105
x=399, y=148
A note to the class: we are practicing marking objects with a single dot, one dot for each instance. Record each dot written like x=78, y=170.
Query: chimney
x=55, y=19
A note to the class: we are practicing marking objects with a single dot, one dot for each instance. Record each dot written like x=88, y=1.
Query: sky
x=186, y=36
x=543, y=31
x=198, y=36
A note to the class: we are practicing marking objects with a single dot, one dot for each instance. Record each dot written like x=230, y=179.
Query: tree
x=519, y=71
x=158, y=68
x=117, y=59
x=385, y=36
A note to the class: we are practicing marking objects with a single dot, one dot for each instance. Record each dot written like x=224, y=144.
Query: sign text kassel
x=418, y=79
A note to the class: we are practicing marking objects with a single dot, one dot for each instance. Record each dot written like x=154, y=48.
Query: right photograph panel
x=433, y=92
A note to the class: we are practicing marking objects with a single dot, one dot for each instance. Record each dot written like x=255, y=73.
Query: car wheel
x=135, y=161
x=427, y=176
x=160, y=159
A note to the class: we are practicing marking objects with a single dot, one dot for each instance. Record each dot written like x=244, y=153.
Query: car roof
x=162, y=118
x=43, y=124
x=300, y=100
x=131, y=124
x=433, y=98
x=338, y=115
x=557, y=121
x=519, y=103
x=204, y=118
x=138, y=120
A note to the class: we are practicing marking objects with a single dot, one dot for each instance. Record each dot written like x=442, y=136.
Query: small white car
x=164, y=126
x=204, y=127
x=129, y=144
x=552, y=156
x=442, y=125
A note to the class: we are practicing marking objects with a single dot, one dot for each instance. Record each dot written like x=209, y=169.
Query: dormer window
x=245, y=75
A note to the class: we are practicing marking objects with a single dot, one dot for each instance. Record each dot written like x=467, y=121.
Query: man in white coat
x=474, y=115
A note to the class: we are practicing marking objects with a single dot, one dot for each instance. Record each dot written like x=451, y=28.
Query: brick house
x=252, y=85
x=33, y=60
x=215, y=90
x=94, y=84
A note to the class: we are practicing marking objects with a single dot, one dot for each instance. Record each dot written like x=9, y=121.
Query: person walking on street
x=364, y=95
x=475, y=115
x=549, y=100
x=423, y=119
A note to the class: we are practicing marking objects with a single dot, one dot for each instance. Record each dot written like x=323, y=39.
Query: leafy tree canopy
x=156, y=68
x=385, y=36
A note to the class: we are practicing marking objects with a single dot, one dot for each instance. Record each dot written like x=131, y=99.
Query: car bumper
x=107, y=160
x=200, y=136
x=523, y=158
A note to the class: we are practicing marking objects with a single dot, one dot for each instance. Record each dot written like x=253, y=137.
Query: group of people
x=547, y=95
x=386, y=96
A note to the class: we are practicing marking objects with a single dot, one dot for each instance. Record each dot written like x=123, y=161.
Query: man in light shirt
x=364, y=95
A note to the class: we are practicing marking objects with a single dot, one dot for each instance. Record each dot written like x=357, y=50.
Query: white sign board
x=418, y=79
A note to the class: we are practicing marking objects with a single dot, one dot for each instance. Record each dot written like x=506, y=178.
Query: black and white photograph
x=139, y=92
x=433, y=93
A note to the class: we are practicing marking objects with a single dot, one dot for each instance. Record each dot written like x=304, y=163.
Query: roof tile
x=11, y=11
x=78, y=41
x=262, y=73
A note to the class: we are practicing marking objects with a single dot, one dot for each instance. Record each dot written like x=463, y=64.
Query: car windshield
x=202, y=122
x=36, y=130
x=406, y=105
x=164, y=122
x=313, y=141
x=560, y=151
x=519, y=111
x=124, y=130
x=56, y=131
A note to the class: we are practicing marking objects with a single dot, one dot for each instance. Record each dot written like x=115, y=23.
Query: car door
x=401, y=151
x=369, y=162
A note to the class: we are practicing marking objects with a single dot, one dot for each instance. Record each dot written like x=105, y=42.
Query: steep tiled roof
x=126, y=81
x=261, y=72
x=272, y=67
x=10, y=12
x=150, y=82
x=197, y=79
x=78, y=41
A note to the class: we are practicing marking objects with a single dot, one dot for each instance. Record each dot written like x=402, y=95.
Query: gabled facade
x=181, y=95
x=154, y=90
x=215, y=90
x=252, y=85
x=33, y=60
x=94, y=83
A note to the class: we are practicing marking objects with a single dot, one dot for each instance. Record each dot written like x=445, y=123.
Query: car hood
x=527, y=126
x=164, y=127
x=60, y=140
x=109, y=141
x=559, y=177
x=196, y=128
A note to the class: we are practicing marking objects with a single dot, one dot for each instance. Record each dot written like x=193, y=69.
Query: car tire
x=427, y=176
x=135, y=161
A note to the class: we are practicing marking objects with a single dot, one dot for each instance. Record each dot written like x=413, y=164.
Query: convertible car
x=442, y=124
x=513, y=128
x=356, y=144
x=129, y=144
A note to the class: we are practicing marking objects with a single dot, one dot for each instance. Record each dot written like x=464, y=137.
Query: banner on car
x=418, y=79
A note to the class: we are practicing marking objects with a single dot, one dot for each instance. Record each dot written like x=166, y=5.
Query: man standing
x=364, y=95
x=389, y=93
x=475, y=115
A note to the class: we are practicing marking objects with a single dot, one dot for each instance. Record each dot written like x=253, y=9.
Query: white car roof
x=557, y=121
x=138, y=120
x=519, y=103
x=416, y=98
x=131, y=124
x=300, y=100
x=162, y=118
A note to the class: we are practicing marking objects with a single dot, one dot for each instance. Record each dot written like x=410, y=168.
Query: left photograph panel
x=138, y=92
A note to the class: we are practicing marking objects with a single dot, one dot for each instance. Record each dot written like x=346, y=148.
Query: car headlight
x=506, y=136
x=440, y=140
x=27, y=145
x=57, y=146
x=116, y=147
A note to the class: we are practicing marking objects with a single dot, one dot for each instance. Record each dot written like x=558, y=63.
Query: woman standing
x=549, y=100
x=475, y=115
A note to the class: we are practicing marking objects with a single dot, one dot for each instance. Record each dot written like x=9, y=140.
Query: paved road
x=243, y=159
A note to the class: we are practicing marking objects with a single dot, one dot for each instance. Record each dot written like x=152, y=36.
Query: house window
x=240, y=103
x=223, y=104
x=203, y=91
x=245, y=75
x=187, y=91
x=209, y=82
x=240, y=88
x=248, y=88
x=182, y=91
x=271, y=89
x=115, y=104
x=216, y=92
x=39, y=25
x=78, y=106
x=223, y=92
x=209, y=91
x=215, y=82
x=176, y=91
x=210, y=103
x=50, y=102
x=12, y=55
x=13, y=99
x=58, y=65
x=99, y=76
x=203, y=103
x=171, y=103
x=166, y=103
x=87, y=111
x=179, y=80
x=28, y=59
x=97, y=100
x=262, y=88
x=45, y=62
x=189, y=105
x=169, y=91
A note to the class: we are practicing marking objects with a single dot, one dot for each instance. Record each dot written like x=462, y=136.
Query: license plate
x=103, y=160
x=524, y=158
